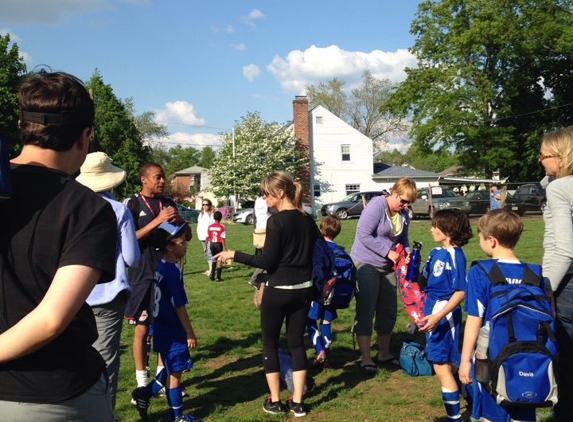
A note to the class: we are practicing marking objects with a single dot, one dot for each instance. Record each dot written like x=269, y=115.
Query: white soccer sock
x=141, y=378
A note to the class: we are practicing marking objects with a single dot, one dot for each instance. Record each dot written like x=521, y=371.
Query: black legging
x=278, y=304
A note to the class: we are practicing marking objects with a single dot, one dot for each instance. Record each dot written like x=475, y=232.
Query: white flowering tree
x=253, y=151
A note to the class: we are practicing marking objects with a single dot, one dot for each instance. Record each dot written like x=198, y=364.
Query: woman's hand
x=393, y=256
x=224, y=256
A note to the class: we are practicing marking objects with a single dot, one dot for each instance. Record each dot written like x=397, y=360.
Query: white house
x=341, y=160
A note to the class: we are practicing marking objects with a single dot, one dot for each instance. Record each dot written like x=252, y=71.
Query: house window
x=345, y=151
x=352, y=189
x=316, y=189
x=318, y=120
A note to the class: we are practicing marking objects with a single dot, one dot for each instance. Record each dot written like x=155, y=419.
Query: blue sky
x=202, y=65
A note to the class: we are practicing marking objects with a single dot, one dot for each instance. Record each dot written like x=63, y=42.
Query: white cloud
x=53, y=11
x=251, y=71
x=195, y=140
x=256, y=14
x=229, y=29
x=253, y=16
x=316, y=64
x=179, y=112
x=240, y=46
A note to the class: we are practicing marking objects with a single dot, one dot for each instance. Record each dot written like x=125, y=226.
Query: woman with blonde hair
x=556, y=156
x=287, y=258
x=204, y=220
x=383, y=224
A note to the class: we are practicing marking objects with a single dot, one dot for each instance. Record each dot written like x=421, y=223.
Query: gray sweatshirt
x=558, y=237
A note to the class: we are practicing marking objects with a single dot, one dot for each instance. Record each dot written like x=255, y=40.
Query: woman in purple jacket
x=383, y=224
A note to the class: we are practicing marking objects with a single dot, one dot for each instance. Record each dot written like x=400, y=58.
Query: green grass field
x=228, y=383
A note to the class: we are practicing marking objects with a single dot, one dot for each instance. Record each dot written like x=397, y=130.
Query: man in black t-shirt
x=57, y=240
x=149, y=209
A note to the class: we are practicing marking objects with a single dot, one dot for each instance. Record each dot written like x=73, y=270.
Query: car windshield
x=437, y=193
x=349, y=198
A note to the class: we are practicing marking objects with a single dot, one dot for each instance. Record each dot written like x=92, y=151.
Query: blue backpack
x=522, y=349
x=334, y=275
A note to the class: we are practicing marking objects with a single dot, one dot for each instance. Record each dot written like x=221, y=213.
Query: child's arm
x=471, y=331
x=223, y=244
x=434, y=319
x=186, y=323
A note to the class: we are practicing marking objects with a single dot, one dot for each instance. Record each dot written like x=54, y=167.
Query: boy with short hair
x=499, y=231
x=322, y=337
x=216, y=234
x=173, y=334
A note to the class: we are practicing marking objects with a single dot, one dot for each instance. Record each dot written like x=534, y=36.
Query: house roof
x=191, y=170
x=387, y=171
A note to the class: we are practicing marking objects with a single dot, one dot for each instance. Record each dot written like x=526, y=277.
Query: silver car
x=438, y=198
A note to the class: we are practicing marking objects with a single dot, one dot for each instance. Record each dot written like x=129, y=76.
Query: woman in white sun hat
x=108, y=300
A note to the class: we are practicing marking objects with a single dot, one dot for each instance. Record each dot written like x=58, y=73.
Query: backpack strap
x=495, y=275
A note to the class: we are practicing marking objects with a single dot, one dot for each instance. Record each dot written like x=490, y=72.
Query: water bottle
x=414, y=265
x=481, y=362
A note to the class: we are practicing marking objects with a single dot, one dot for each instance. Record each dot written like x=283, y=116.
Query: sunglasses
x=404, y=201
x=207, y=205
x=543, y=157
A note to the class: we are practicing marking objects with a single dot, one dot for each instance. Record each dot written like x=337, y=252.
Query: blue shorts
x=443, y=341
x=319, y=312
x=177, y=360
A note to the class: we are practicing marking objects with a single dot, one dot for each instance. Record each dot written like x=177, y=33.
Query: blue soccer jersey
x=445, y=271
x=479, y=285
x=168, y=333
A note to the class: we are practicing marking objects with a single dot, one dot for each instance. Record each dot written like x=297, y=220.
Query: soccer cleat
x=297, y=408
x=274, y=408
x=141, y=401
x=219, y=279
x=320, y=359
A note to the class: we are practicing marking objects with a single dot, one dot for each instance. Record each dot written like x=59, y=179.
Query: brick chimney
x=302, y=134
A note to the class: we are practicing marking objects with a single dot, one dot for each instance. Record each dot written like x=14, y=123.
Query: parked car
x=441, y=198
x=529, y=197
x=351, y=206
x=479, y=201
x=514, y=205
x=247, y=215
x=188, y=214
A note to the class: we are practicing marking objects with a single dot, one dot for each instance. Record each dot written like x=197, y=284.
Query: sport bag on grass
x=413, y=359
x=522, y=350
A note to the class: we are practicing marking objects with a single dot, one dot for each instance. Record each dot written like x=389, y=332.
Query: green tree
x=12, y=70
x=145, y=123
x=256, y=150
x=117, y=135
x=207, y=157
x=488, y=80
x=364, y=109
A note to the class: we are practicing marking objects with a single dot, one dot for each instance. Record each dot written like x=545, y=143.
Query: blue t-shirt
x=493, y=202
x=168, y=333
x=479, y=285
x=445, y=271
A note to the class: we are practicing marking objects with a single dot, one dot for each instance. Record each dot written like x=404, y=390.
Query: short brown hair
x=330, y=226
x=504, y=225
x=455, y=224
x=54, y=95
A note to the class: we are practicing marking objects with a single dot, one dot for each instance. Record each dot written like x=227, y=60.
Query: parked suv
x=528, y=197
x=351, y=206
x=441, y=198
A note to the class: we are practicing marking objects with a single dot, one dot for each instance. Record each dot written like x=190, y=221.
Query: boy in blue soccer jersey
x=322, y=337
x=445, y=272
x=499, y=231
x=173, y=334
